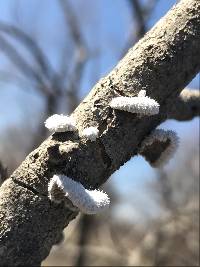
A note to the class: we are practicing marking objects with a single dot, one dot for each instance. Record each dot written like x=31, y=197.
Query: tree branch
x=162, y=63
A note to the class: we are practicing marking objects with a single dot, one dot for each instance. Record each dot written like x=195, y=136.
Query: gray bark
x=162, y=63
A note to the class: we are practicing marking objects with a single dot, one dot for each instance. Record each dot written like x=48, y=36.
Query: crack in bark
x=28, y=187
x=106, y=159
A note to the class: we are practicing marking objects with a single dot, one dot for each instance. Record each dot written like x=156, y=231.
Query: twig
x=34, y=220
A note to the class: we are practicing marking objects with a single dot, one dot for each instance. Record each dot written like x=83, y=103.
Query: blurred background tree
x=52, y=53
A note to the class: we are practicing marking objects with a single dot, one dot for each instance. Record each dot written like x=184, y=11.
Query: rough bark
x=162, y=63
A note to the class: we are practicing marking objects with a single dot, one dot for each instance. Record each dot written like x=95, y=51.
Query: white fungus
x=162, y=136
x=87, y=201
x=140, y=104
x=60, y=123
x=142, y=93
x=55, y=194
x=90, y=133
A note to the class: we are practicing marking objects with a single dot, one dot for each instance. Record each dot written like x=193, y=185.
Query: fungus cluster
x=87, y=201
x=75, y=196
x=141, y=104
x=60, y=123
x=64, y=123
x=90, y=133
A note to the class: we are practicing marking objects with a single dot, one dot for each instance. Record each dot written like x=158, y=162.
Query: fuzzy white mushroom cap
x=87, y=201
x=60, y=123
x=162, y=136
x=90, y=133
x=140, y=104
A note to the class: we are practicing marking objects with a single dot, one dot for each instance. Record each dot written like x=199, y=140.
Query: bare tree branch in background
x=138, y=16
x=41, y=74
x=31, y=44
x=81, y=55
x=18, y=60
x=141, y=14
x=179, y=227
x=3, y=173
x=50, y=83
x=165, y=190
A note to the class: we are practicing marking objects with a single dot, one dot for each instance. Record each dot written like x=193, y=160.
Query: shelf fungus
x=62, y=188
x=60, y=123
x=159, y=147
x=90, y=133
x=141, y=104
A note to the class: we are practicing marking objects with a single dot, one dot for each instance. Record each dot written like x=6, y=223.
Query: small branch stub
x=87, y=201
x=186, y=106
x=60, y=123
x=141, y=104
x=90, y=133
x=159, y=147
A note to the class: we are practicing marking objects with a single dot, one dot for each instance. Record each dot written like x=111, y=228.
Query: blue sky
x=112, y=20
